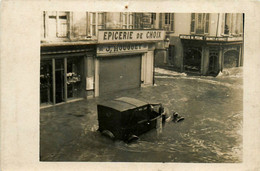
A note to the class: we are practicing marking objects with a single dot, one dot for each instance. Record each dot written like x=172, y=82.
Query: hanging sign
x=121, y=48
x=112, y=36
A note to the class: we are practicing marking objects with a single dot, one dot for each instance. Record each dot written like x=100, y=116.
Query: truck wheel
x=108, y=134
x=132, y=138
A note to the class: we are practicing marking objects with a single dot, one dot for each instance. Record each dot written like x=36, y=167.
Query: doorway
x=213, y=66
x=192, y=60
x=59, y=80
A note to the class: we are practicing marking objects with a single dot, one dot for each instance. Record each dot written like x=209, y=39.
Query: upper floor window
x=233, y=23
x=96, y=21
x=127, y=20
x=56, y=24
x=153, y=19
x=200, y=23
x=144, y=20
x=167, y=21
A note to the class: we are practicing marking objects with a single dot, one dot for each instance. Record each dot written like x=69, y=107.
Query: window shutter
x=242, y=23
x=147, y=18
x=57, y=24
x=192, y=26
x=160, y=21
x=133, y=20
x=138, y=21
x=207, y=23
x=103, y=20
x=172, y=22
x=69, y=15
x=223, y=22
x=130, y=20
x=121, y=20
x=89, y=24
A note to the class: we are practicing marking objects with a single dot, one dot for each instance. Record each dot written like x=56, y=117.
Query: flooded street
x=211, y=132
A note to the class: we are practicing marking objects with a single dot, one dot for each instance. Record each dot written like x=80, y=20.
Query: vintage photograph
x=141, y=87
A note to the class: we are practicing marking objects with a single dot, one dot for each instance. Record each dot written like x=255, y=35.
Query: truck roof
x=124, y=103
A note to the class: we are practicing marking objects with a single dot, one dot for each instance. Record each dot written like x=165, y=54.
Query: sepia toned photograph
x=141, y=87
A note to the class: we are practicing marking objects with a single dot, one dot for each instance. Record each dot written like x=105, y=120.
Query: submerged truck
x=126, y=118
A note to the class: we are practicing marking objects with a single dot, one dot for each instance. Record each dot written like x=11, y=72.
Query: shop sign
x=121, y=48
x=90, y=83
x=112, y=36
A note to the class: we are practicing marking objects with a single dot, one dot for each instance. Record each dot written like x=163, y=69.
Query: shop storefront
x=62, y=73
x=125, y=59
x=208, y=56
x=119, y=60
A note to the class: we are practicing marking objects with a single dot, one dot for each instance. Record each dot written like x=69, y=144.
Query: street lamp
x=166, y=47
x=166, y=43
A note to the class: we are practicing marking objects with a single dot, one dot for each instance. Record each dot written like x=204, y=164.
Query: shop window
x=127, y=20
x=166, y=22
x=200, y=23
x=233, y=24
x=231, y=59
x=62, y=85
x=74, y=80
x=96, y=21
x=46, y=94
x=56, y=24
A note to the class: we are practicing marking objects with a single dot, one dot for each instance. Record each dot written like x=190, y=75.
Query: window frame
x=204, y=23
x=56, y=15
x=232, y=21
x=127, y=20
x=95, y=24
x=166, y=22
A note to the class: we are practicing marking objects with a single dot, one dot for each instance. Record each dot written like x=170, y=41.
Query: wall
x=160, y=54
x=147, y=68
x=113, y=20
x=79, y=25
x=181, y=24
x=213, y=24
x=178, y=52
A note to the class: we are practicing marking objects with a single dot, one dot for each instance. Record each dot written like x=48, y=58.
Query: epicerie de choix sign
x=112, y=36
x=112, y=49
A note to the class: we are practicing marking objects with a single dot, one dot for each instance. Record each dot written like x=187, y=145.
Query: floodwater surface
x=210, y=133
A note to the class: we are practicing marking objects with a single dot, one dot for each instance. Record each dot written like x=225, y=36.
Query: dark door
x=119, y=73
x=192, y=60
x=46, y=96
x=59, y=80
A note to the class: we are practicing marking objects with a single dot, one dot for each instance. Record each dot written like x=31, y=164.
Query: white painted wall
x=96, y=77
x=182, y=23
x=79, y=24
x=147, y=68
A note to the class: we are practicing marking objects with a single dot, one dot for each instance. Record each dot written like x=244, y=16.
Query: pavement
x=211, y=131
